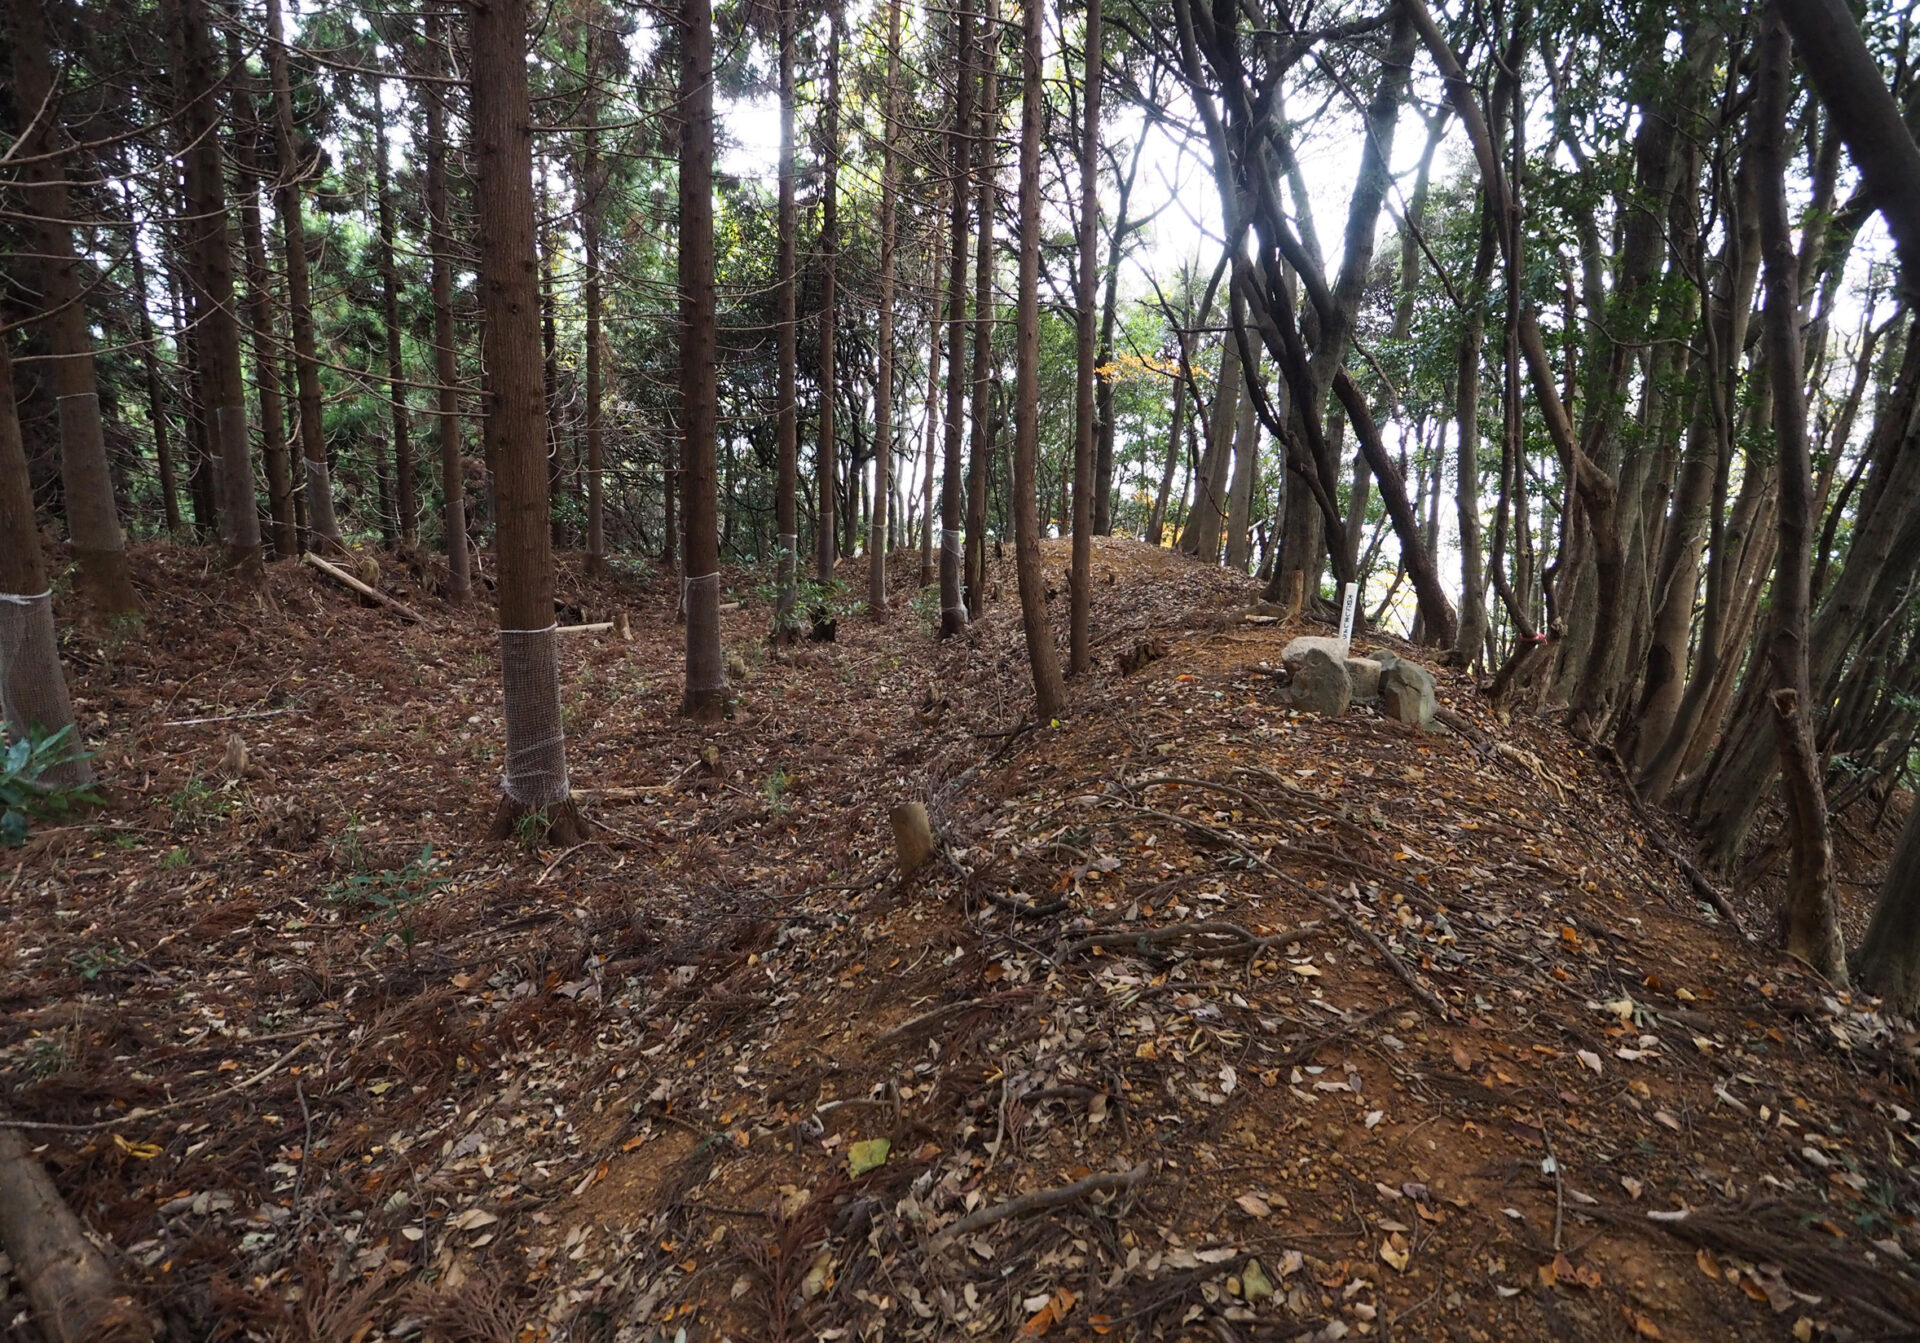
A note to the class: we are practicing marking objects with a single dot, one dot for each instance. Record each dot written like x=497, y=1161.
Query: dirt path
x=1322, y=1028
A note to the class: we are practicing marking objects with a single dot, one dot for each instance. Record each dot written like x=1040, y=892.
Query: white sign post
x=1349, y=593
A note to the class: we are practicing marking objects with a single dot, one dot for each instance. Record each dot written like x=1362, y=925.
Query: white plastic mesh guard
x=536, y=742
x=950, y=545
x=33, y=688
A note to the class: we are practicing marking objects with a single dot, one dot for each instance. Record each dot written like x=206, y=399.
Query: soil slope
x=1210, y=1021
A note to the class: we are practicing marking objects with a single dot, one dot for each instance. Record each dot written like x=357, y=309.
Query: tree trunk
x=445, y=350
x=1049, y=693
x=932, y=435
x=205, y=227
x=883, y=391
x=536, y=783
x=1889, y=958
x=396, y=372
x=826, y=463
x=1467, y=650
x=33, y=686
x=293, y=167
x=953, y=608
x=1080, y=575
x=591, y=186
x=1157, y=519
x=93, y=518
x=156, y=401
x=273, y=415
x=980, y=467
x=705, y=699
x=1246, y=467
x=786, y=506
x=1201, y=535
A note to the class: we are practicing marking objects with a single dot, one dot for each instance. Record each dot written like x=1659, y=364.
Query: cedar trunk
x=445, y=349
x=786, y=503
x=1049, y=693
x=953, y=608
x=705, y=698
x=536, y=783
x=883, y=394
x=1080, y=573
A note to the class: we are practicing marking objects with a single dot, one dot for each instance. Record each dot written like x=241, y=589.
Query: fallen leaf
x=1254, y=1283
x=1589, y=1059
x=1461, y=1058
x=1253, y=1205
x=868, y=1155
x=1394, y=1250
x=473, y=1219
x=1707, y=1264
x=1643, y=1326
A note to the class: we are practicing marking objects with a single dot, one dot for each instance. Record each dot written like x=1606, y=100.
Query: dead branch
x=1039, y=1200
x=1697, y=879
x=143, y=1112
x=346, y=579
x=74, y=1294
x=1244, y=940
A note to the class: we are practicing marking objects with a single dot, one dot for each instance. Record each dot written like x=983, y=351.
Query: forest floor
x=1210, y=1021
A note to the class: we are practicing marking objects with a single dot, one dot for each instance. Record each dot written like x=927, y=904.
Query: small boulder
x=1406, y=693
x=1364, y=673
x=1299, y=647
x=1320, y=683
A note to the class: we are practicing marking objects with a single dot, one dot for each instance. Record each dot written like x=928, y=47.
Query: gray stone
x=1406, y=693
x=1325, y=643
x=1364, y=674
x=1386, y=657
x=1320, y=683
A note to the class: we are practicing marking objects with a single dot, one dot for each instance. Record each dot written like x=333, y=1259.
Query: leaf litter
x=1211, y=1020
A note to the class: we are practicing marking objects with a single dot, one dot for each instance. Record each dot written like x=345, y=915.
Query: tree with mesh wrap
x=537, y=798
x=33, y=688
x=706, y=693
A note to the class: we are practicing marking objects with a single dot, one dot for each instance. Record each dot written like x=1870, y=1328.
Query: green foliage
x=96, y=960
x=26, y=794
x=390, y=895
x=199, y=801
x=775, y=789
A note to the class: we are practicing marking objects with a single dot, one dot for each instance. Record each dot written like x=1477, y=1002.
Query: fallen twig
x=341, y=576
x=1244, y=939
x=1039, y=1200
x=1697, y=879
x=142, y=1112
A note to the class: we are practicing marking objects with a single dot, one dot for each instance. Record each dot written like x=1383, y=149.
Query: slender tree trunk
x=1080, y=574
x=205, y=227
x=156, y=401
x=550, y=355
x=1049, y=693
x=1201, y=535
x=590, y=212
x=786, y=623
x=1889, y=958
x=93, y=518
x=1811, y=914
x=883, y=392
x=536, y=782
x=826, y=463
x=1246, y=458
x=1103, y=360
x=980, y=469
x=396, y=371
x=266, y=363
x=293, y=167
x=1157, y=520
x=953, y=608
x=445, y=349
x=705, y=699
x=932, y=436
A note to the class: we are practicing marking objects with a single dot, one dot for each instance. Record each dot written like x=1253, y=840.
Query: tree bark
x=536, y=782
x=445, y=347
x=1049, y=693
x=953, y=608
x=404, y=501
x=883, y=391
x=932, y=435
x=205, y=227
x=1889, y=958
x=93, y=518
x=980, y=465
x=1080, y=574
x=273, y=416
x=156, y=400
x=33, y=686
x=705, y=699
x=786, y=505
x=592, y=184
x=293, y=229
x=826, y=463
